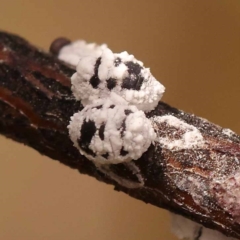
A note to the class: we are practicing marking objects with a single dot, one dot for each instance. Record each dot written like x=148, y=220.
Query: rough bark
x=36, y=104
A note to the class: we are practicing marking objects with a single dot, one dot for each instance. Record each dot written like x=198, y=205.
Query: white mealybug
x=115, y=90
x=110, y=131
x=101, y=72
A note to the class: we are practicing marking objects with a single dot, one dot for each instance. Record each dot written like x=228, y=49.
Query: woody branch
x=36, y=104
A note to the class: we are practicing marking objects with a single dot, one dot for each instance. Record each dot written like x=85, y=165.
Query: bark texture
x=36, y=104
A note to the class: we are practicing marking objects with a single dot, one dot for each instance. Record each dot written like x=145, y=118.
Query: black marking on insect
x=133, y=68
x=134, y=80
x=127, y=112
x=105, y=155
x=123, y=128
x=87, y=131
x=112, y=106
x=94, y=81
x=111, y=83
x=97, y=107
x=123, y=152
x=117, y=62
x=101, y=131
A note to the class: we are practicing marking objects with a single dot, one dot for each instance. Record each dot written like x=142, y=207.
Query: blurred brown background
x=192, y=47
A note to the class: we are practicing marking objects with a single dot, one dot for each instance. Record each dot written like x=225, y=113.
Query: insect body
x=111, y=131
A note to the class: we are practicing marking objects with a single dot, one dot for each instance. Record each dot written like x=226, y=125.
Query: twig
x=36, y=104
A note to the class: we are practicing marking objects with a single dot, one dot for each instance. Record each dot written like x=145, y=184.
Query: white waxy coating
x=189, y=137
x=111, y=131
x=186, y=229
x=228, y=132
x=227, y=193
x=77, y=50
x=100, y=72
